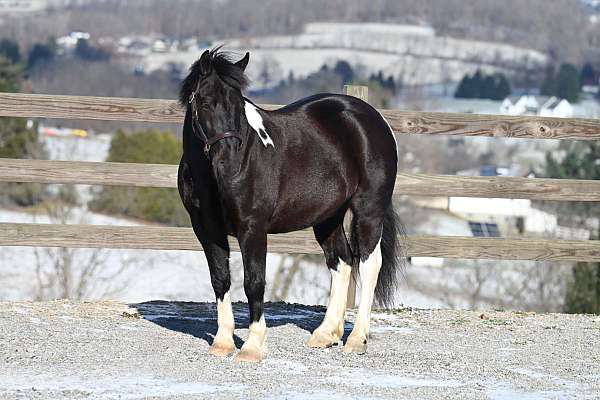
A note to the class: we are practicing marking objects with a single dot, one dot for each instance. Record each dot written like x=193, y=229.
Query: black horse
x=247, y=172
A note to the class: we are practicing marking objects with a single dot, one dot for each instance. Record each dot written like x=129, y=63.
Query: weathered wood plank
x=160, y=175
x=413, y=122
x=303, y=242
x=90, y=107
x=133, y=237
x=527, y=127
x=90, y=173
x=498, y=187
x=503, y=249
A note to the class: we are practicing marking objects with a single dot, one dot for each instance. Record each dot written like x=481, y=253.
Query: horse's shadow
x=200, y=319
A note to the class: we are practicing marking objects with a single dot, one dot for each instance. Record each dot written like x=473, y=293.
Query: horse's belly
x=309, y=204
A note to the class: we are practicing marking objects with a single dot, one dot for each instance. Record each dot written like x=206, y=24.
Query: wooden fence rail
x=302, y=242
x=165, y=238
x=429, y=123
x=161, y=175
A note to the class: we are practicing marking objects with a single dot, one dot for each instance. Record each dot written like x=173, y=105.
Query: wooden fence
x=402, y=122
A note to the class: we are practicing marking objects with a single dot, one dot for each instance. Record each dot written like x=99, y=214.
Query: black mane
x=222, y=63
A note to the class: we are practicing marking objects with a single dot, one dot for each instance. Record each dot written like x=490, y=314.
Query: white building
x=555, y=107
x=542, y=106
x=524, y=105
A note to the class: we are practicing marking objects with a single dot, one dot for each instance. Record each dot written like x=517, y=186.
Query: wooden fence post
x=362, y=92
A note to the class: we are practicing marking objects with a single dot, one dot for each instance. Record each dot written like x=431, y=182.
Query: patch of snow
x=357, y=378
x=392, y=329
x=285, y=366
x=117, y=387
x=322, y=395
x=509, y=393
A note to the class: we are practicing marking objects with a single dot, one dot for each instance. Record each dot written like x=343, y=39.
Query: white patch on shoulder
x=391, y=130
x=256, y=122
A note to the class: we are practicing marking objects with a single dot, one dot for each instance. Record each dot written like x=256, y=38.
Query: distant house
x=555, y=107
x=495, y=217
x=523, y=105
x=542, y=106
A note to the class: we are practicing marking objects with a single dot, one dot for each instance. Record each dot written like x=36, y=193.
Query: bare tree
x=526, y=286
x=67, y=273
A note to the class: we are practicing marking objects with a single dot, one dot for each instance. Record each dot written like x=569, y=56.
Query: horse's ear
x=244, y=61
x=205, y=63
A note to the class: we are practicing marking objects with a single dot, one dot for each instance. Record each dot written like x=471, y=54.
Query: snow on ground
x=96, y=350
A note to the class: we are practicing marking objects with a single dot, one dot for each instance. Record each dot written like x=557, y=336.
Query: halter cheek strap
x=208, y=142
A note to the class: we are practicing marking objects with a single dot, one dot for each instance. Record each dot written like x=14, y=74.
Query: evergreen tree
x=345, y=71
x=41, y=53
x=10, y=50
x=466, y=88
x=549, y=86
x=588, y=75
x=390, y=83
x=87, y=52
x=481, y=86
x=487, y=88
x=581, y=161
x=503, y=89
x=568, y=83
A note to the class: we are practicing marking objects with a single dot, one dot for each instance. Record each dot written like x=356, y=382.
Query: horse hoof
x=249, y=355
x=321, y=340
x=221, y=349
x=356, y=345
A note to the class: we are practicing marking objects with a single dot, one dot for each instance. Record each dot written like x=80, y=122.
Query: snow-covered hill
x=414, y=55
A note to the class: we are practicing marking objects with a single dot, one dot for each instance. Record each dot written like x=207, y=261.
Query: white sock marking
x=256, y=122
x=334, y=317
x=369, y=271
x=257, y=331
x=225, y=319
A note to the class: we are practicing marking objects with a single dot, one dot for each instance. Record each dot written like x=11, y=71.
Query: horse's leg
x=253, y=245
x=218, y=262
x=338, y=257
x=367, y=230
x=216, y=249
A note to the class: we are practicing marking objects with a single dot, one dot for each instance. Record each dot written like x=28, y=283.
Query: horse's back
x=334, y=147
x=345, y=129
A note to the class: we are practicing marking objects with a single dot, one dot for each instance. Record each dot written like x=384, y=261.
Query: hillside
x=560, y=27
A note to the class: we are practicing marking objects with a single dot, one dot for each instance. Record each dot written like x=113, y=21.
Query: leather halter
x=208, y=142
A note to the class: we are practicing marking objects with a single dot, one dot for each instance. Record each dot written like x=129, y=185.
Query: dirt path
x=70, y=350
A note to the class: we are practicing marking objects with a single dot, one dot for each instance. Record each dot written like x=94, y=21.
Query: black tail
x=392, y=259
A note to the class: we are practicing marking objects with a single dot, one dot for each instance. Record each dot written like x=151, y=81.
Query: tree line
x=566, y=83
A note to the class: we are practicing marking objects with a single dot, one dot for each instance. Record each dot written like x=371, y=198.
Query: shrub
x=152, y=204
x=18, y=141
x=583, y=292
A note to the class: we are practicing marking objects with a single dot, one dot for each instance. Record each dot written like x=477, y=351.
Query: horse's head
x=212, y=93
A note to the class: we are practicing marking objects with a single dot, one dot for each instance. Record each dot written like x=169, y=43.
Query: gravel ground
x=74, y=350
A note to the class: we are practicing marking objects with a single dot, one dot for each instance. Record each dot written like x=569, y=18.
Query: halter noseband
x=197, y=128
